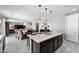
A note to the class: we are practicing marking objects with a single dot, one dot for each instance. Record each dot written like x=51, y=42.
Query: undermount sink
x=47, y=33
x=34, y=34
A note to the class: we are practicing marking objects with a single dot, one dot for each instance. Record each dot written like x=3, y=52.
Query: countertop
x=43, y=37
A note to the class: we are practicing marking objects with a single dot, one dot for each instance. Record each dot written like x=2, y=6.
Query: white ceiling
x=31, y=12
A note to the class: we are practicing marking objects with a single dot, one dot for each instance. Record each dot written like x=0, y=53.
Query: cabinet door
x=44, y=49
x=55, y=43
x=35, y=47
x=60, y=40
x=71, y=27
x=50, y=46
x=47, y=46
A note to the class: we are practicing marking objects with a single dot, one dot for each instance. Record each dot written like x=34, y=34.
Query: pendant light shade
x=46, y=13
x=50, y=16
x=39, y=5
x=39, y=11
x=50, y=11
x=46, y=9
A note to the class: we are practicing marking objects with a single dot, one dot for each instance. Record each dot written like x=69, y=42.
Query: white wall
x=2, y=26
x=57, y=24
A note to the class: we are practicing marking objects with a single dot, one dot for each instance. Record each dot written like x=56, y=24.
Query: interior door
x=72, y=27
x=7, y=28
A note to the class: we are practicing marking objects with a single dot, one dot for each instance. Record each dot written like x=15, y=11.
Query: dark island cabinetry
x=48, y=46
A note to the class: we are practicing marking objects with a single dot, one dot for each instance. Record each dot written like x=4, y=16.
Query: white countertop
x=43, y=37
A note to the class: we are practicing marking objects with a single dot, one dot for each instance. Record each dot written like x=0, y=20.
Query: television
x=19, y=26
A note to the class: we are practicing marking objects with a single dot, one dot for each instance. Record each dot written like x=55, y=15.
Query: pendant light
x=38, y=23
x=46, y=14
x=50, y=16
x=39, y=12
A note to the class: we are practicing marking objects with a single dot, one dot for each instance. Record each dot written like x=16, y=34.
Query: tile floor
x=16, y=46
x=20, y=46
x=68, y=47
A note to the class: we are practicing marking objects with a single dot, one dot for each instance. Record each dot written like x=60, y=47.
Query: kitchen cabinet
x=72, y=27
x=48, y=46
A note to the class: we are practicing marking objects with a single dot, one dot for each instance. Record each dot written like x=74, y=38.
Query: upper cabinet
x=71, y=27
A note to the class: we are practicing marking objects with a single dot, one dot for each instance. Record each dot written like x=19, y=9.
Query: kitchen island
x=2, y=43
x=45, y=43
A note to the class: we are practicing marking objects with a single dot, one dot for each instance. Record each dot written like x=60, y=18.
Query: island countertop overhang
x=43, y=37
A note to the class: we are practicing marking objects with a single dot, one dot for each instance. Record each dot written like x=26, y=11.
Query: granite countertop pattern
x=43, y=37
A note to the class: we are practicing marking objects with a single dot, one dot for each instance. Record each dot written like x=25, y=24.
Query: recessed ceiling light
x=74, y=9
